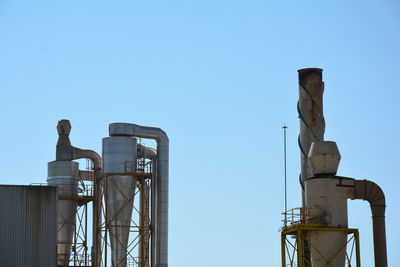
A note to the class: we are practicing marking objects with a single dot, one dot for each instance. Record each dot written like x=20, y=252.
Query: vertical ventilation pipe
x=312, y=122
x=78, y=153
x=312, y=126
x=151, y=153
x=126, y=129
x=367, y=190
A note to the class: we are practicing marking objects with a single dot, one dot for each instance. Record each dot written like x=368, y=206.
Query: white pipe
x=367, y=190
x=126, y=129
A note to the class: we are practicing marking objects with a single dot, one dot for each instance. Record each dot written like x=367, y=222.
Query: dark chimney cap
x=64, y=127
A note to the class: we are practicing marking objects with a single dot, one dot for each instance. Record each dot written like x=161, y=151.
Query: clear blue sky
x=221, y=78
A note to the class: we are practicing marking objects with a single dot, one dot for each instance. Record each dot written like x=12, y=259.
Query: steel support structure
x=138, y=250
x=80, y=255
x=292, y=250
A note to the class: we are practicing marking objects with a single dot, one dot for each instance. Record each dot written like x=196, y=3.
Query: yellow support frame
x=299, y=231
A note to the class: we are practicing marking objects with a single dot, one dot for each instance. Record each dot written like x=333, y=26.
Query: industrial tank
x=326, y=199
x=327, y=202
x=64, y=175
x=119, y=168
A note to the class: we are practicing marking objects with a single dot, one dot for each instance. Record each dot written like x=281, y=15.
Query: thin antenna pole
x=284, y=127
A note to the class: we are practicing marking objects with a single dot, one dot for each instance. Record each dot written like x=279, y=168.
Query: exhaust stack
x=310, y=110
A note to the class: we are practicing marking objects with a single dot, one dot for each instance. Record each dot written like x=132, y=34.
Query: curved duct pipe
x=78, y=153
x=370, y=191
x=324, y=160
x=126, y=129
x=151, y=153
x=310, y=110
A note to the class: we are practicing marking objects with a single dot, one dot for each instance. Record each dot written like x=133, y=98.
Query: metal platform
x=294, y=239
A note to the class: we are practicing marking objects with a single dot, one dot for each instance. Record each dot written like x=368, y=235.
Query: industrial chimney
x=321, y=225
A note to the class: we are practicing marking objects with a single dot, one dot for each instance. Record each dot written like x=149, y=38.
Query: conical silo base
x=120, y=195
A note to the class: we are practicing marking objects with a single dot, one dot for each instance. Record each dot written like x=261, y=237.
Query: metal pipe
x=310, y=109
x=312, y=125
x=126, y=129
x=144, y=224
x=153, y=242
x=151, y=153
x=367, y=190
x=78, y=153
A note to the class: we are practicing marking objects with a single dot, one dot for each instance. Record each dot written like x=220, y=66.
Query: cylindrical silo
x=119, y=166
x=326, y=202
x=162, y=182
x=64, y=175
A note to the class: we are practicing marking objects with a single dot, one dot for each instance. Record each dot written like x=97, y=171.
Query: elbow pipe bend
x=65, y=151
x=78, y=153
x=370, y=191
x=129, y=129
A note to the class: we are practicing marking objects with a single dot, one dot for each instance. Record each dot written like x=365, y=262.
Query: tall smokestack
x=312, y=126
x=312, y=122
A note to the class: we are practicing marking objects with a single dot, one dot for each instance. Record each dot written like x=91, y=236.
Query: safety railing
x=305, y=215
x=80, y=189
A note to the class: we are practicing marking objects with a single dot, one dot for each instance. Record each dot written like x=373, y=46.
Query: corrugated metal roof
x=28, y=226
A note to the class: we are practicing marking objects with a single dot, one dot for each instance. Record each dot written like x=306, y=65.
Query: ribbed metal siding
x=28, y=226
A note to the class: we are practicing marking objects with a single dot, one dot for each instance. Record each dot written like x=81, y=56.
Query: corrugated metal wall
x=28, y=226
